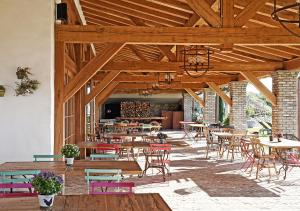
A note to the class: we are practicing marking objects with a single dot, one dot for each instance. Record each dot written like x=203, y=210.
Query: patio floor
x=218, y=184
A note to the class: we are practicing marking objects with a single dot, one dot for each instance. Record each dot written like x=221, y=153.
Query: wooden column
x=59, y=96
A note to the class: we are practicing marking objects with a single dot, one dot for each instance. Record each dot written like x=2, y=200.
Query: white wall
x=26, y=39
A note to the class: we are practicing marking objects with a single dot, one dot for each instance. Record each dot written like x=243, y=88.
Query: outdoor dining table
x=74, y=176
x=141, y=202
x=185, y=127
x=281, y=148
x=199, y=128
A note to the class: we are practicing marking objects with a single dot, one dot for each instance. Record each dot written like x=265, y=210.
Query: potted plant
x=47, y=185
x=23, y=72
x=70, y=151
x=162, y=137
x=2, y=91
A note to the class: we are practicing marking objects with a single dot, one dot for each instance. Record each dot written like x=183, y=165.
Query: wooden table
x=138, y=202
x=133, y=145
x=184, y=126
x=74, y=176
x=199, y=130
x=280, y=149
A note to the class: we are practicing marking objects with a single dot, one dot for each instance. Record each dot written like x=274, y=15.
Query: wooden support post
x=196, y=97
x=260, y=86
x=59, y=96
x=219, y=92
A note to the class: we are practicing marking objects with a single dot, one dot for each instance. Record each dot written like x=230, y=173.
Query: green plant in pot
x=47, y=185
x=70, y=151
x=2, y=91
x=23, y=72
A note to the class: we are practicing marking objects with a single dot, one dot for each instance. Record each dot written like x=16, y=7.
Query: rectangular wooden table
x=74, y=181
x=132, y=202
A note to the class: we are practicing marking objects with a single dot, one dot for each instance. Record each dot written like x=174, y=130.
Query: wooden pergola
x=120, y=46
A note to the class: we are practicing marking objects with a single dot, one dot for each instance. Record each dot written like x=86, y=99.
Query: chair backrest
x=162, y=151
x=108, y=147
x=39, y=158
x=160, y=147
x=115, y=185
x=17, y=176
x=7, y=190
x=103, y=174
x=291, y=137
x=104, y=156
x=257, y=148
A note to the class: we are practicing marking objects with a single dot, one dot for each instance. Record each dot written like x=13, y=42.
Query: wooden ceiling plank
x=258, y=53
x=249, y=11
x=219, y=92
x=137, y=52
x=260, y=86
x=90, y=69
x=195, y=97
x=129, y=11
x=204, y=10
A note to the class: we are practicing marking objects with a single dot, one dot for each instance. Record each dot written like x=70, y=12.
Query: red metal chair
x=117, y=187
x=8, y=190
x=102, y=148
x=158, y=157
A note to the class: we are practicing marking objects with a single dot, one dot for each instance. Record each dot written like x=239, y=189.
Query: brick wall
x=187, y=107
x=237, y=114
x=210, y=106
x=284, y=114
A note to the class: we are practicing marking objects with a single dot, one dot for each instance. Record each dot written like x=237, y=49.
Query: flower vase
x=46, y=200
x=69, y=161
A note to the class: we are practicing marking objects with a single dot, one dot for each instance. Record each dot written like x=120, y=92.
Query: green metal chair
x=41, y=158
x=108, y=175
x=104, y=156
x=17, y=176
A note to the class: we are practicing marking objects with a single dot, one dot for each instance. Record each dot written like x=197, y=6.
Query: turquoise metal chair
x=17, y=176
x=108, y=175
x=40, y=158
x=104, y=156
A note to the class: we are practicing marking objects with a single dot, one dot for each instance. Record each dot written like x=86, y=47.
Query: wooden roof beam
x=219, y=92
x=101, y=86
x=196, y=97
x=204, y=10
x=249, y=12
x=260, y=86
x=137, y=52
x=90, y=69
x=104, y=94
x=175, y=35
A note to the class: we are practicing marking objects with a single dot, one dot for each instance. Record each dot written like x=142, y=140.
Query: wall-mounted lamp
x=2, y=91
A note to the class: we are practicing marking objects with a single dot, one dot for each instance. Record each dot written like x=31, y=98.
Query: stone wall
x=187, y=107
x=285, y=112
x=237, y=115
x=210, y=106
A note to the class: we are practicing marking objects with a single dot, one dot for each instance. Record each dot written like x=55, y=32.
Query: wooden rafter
x=137, y=52
x=260, y=86
x=249, y=12
x=196, y=97
x=102, y=85
x=174, y=85
x=90, y=69
x=228, y=13
x=219, y=92
x=175, y=35
x=203, y=9
x=100, y=98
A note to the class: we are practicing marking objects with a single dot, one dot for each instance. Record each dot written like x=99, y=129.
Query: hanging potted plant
x=47, y=185
x=23, y=72
x=26, y=87
x=2, y=91
x=70, y=151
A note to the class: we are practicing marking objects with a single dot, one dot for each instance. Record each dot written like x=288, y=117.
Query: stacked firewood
x=135, y=109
